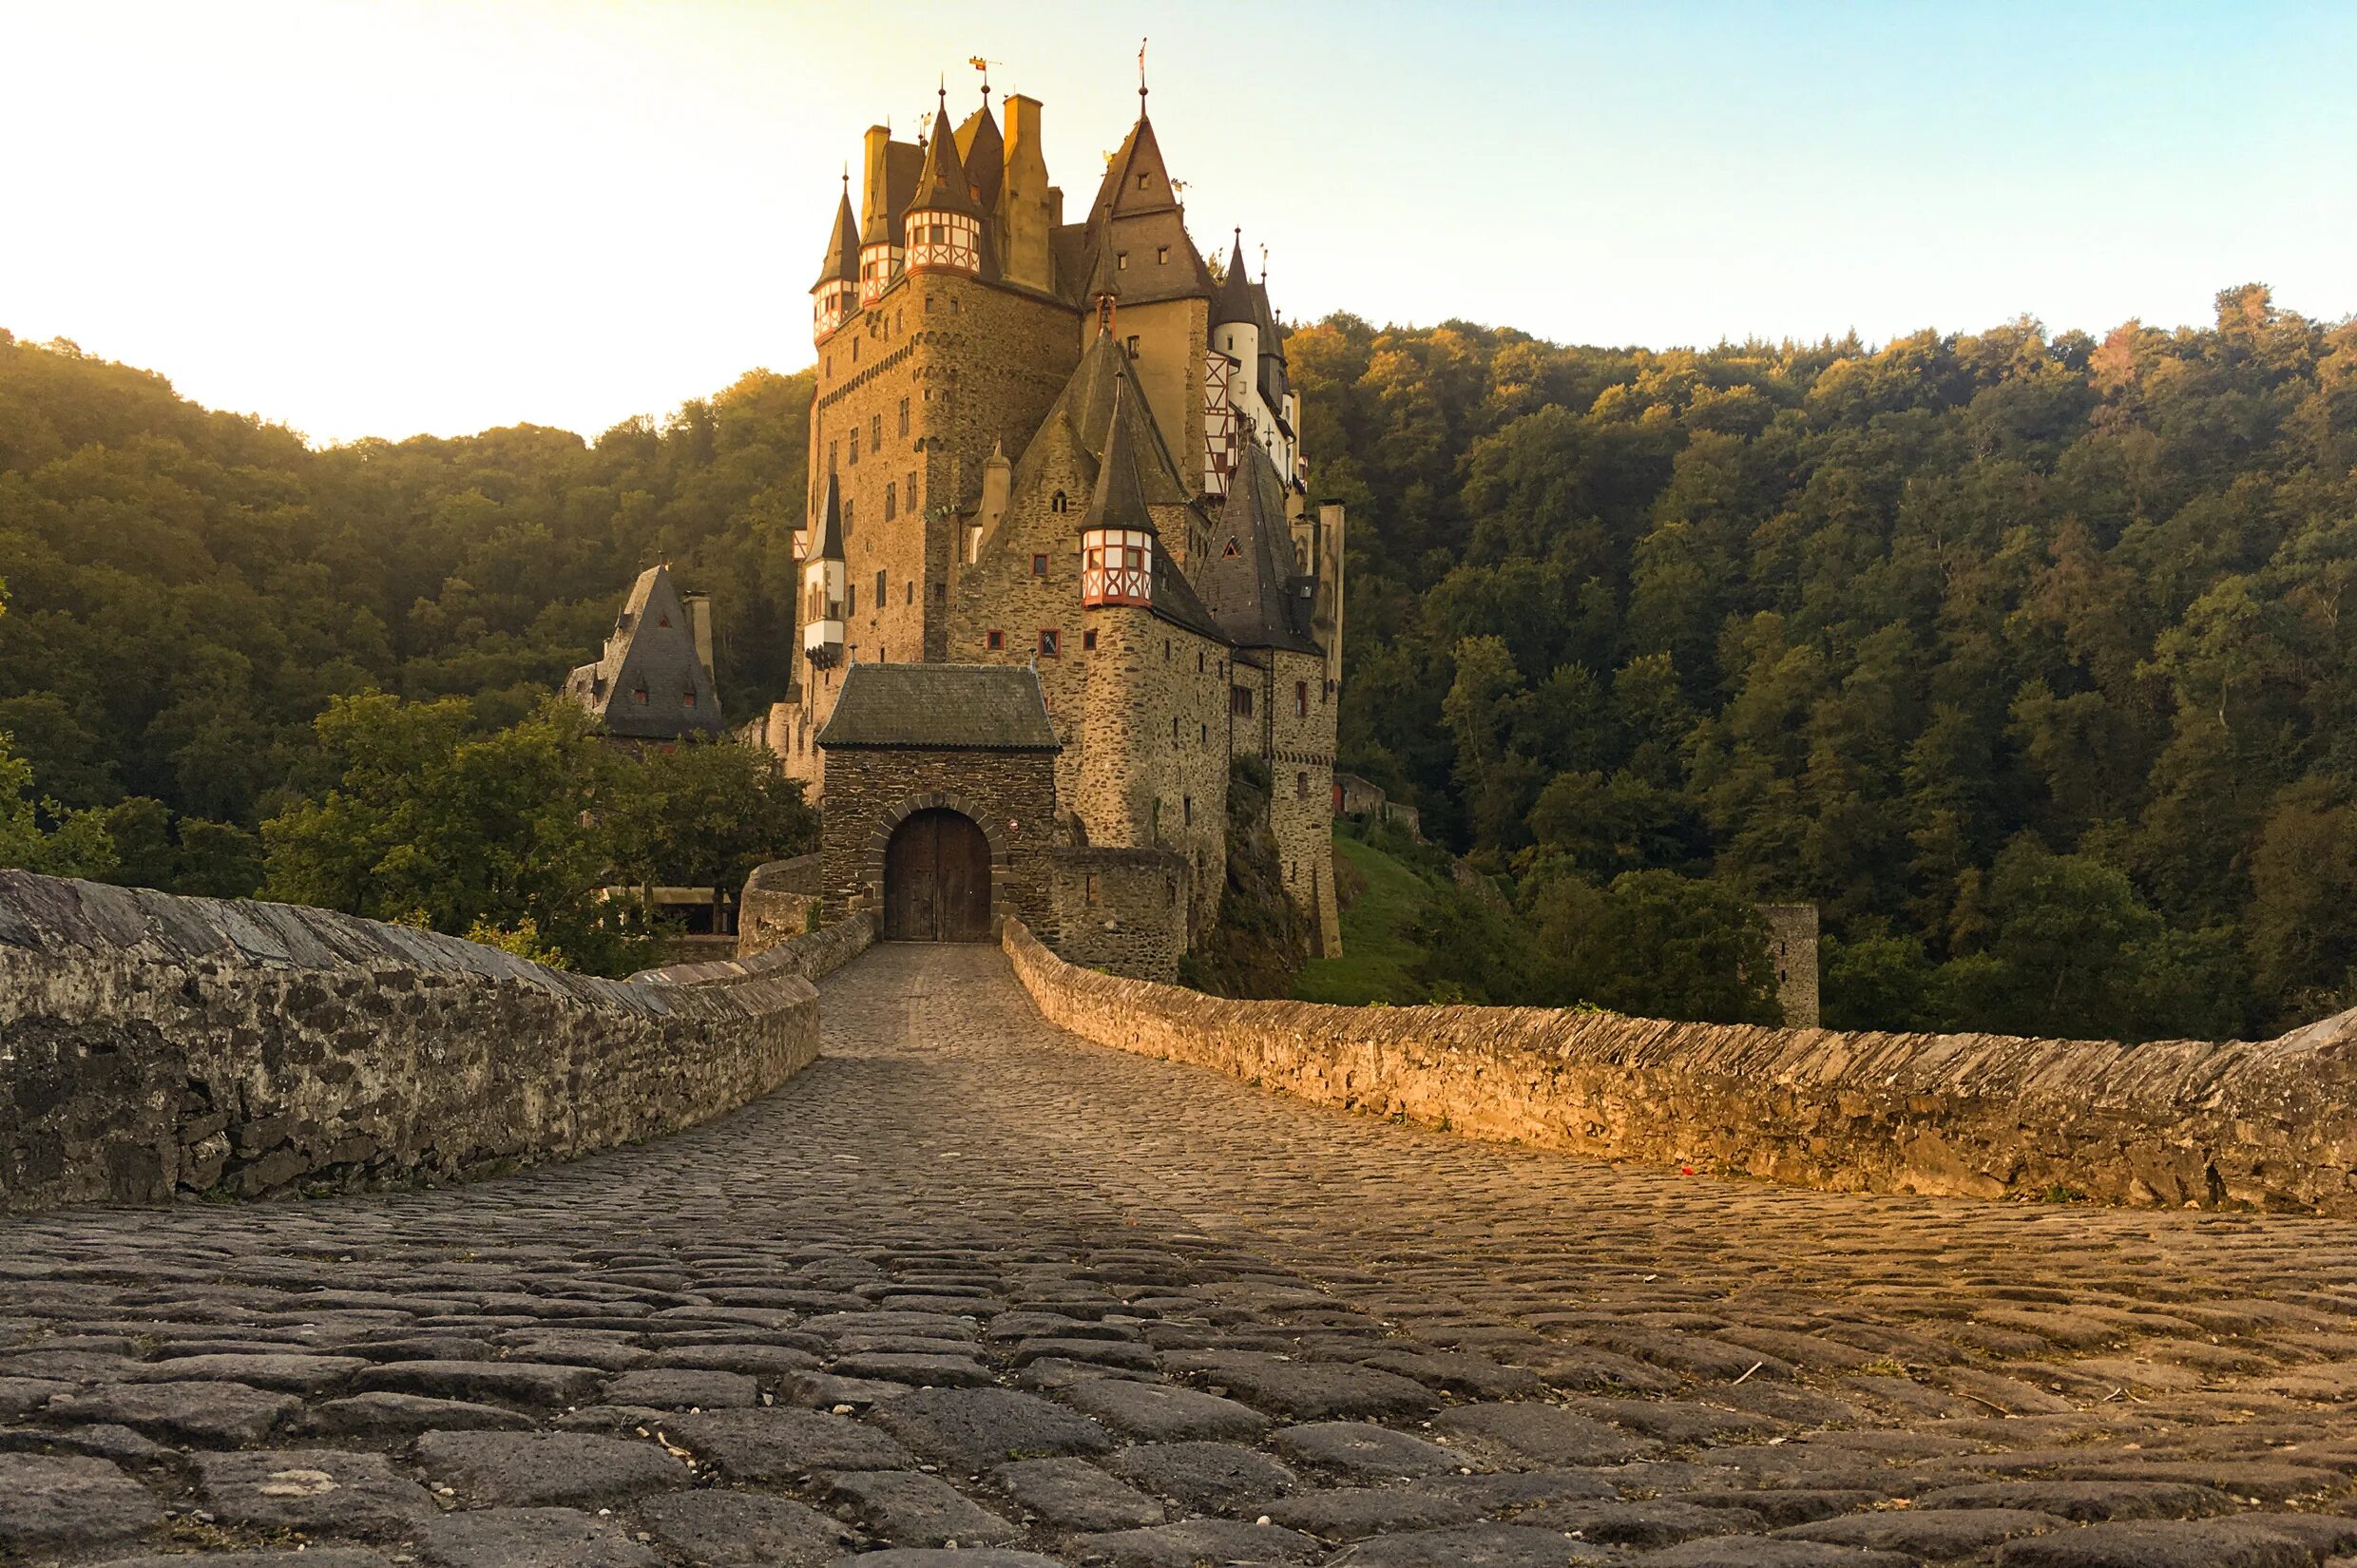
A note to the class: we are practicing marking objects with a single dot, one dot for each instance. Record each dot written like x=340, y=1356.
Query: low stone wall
x=810, y=956
x=777, y=904
x=153, y=1046
x=2241, y=1125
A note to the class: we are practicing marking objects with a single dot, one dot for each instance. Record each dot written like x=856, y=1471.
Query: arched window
x=1056, y=502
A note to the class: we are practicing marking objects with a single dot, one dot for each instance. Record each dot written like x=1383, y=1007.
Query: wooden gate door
x=937, y=880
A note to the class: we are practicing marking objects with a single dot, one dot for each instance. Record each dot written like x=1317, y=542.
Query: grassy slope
x=1377, y=950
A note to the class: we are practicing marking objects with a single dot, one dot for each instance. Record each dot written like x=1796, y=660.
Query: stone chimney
x=700, y=617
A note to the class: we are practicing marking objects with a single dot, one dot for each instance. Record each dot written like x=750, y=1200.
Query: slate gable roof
x=941, y=707
x=652, y=648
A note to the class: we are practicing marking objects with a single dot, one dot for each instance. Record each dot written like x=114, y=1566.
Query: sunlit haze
x=379, y=220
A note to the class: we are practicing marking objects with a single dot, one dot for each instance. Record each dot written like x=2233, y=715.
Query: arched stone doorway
x=937, y=879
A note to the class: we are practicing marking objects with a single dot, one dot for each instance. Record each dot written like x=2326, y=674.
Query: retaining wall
x=153, y=1046
x=2240, y=1124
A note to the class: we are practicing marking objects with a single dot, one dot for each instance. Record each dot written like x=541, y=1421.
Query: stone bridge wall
x=2270, y=1124
x=777, y=904
x=153, y=1046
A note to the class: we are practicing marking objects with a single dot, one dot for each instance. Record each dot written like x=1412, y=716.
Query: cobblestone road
x=970, y=1291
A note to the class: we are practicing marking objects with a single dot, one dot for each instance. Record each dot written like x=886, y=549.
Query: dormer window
x=1142, y=181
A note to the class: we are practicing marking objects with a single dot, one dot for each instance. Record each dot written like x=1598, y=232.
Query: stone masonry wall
x=2240, y=1124
x=153, y=1046
x=1123, y=910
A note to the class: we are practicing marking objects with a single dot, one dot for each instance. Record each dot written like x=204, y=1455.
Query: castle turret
x=836, y=293
x=943, y=230
x=1118, y=537
x=824, y=579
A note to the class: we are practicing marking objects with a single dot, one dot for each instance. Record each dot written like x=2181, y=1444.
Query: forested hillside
x=187, y=589
x=2023, y=657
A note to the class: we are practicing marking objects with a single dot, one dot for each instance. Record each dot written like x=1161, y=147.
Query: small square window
x=1120, y=261
x=1088, y=641
x=1051, y=643
x=1133, y=345
x=1039, y=564
x=994, y=640
x=1142, y=181
x=1161, y=253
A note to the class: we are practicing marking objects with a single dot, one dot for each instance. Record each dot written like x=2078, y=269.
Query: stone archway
x=937, y=881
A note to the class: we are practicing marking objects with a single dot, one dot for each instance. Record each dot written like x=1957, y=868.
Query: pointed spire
x=829, y=524
x=941, y=184
x=841, y=262
x=1119, y=500
x=1104, y=284
x=1234, y=300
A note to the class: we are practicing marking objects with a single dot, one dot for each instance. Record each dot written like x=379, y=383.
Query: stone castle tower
x=1064, y=445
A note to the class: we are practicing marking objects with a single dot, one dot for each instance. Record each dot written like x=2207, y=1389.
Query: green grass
x=1377, y=948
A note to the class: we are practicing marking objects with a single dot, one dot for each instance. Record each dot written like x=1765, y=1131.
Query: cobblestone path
x=970, y=1291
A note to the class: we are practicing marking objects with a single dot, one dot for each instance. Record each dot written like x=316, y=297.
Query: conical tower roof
x=830, y=524
x=1105, y=276
x=1119, y=501
x=1235, y=301
x=941, y=184
x=841, y=262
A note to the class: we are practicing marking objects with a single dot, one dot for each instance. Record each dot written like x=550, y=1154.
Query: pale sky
x=419, y=216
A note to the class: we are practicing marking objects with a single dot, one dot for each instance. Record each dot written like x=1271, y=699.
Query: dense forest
x=2021, y=655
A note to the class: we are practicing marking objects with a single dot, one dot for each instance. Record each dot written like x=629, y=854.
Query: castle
x=1059, y=571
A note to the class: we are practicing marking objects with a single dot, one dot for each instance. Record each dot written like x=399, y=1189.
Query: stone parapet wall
x=777, y=904
x=811, y=956
x=2239, y=1125
x=153, y=1046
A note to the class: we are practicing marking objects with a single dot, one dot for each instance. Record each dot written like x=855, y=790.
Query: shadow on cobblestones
x=977, y=1293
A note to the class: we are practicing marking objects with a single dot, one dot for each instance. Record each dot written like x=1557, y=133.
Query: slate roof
x=652, y=648
x=941, y=184
x=940, y=707
x=842, y=258
x=1234, y=300
x=983, y=151
x=1251, y=592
